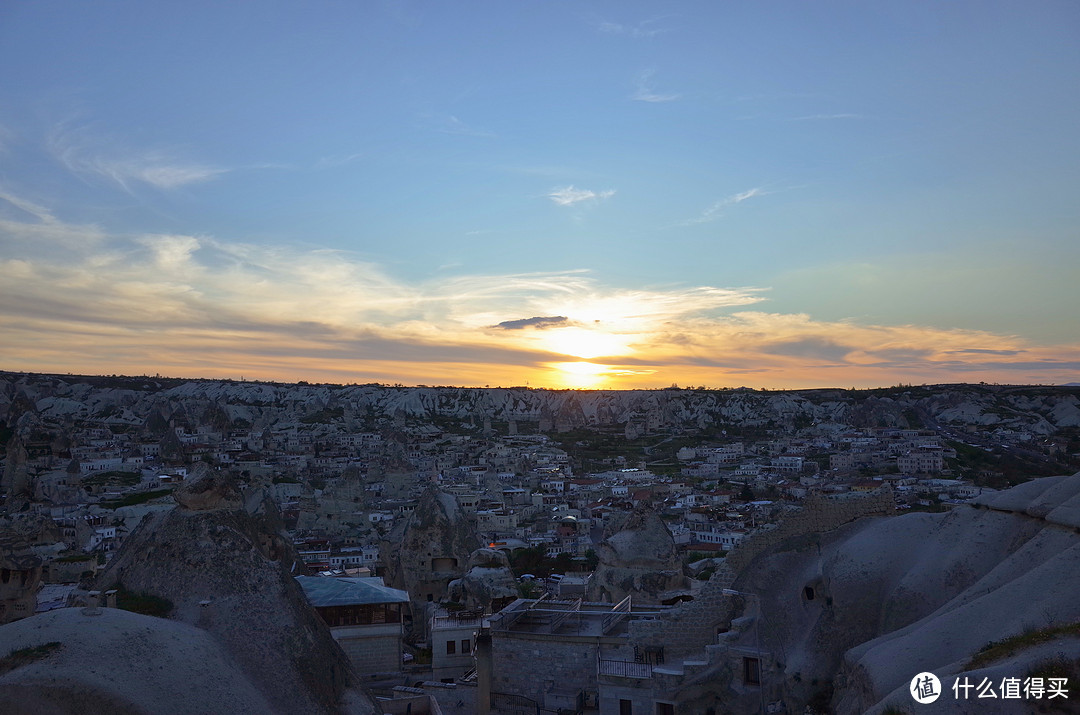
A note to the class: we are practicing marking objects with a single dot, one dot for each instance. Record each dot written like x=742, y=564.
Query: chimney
x=110, y=598
x=92, y=600
x=483, y=671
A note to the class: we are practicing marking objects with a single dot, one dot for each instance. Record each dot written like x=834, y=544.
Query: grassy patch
x=699, y=555
x=326, y=416
x=996, y=650
x=1000, y=469
x=74, y=558
x=113, y=477
x=1057, y=667
x=935, y=507
x=25, y=656
x=144, y=603
x=133, y=499
x=280, y=479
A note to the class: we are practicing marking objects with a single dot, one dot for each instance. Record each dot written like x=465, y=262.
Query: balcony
x=625, y=669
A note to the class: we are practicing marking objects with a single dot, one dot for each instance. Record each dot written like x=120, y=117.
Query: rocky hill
x=851, y=615
x=225, y=566
x=120, y=662
x=28, y=399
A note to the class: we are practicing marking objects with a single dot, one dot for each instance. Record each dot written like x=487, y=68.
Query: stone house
x=364, y=617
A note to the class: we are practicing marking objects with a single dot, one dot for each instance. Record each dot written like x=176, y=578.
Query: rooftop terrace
x=570, y=617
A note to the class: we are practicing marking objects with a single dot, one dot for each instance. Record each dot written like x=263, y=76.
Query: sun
x=581, y=375
x=585, y=344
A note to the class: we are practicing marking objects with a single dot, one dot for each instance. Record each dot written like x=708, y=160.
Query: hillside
x=130, y=402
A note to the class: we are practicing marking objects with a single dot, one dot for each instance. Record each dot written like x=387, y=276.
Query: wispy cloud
x=539, y=322
x=985, y=351
x=202, y=306
x=88, y=155
x=451, y=124
x=335, y=160
x=820, y=117
x=30, y=230
x=26, y=206
x=715, y=211
x=645, y=92
x=7, y=138
x=641, y=30
x=549, y=171
x=569, y=196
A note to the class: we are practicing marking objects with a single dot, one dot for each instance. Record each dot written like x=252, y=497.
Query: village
x=414, y=533
x=339, y=491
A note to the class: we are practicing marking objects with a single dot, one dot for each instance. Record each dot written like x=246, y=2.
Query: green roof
x=322, y=591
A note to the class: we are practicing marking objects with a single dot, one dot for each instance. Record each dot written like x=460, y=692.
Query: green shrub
x=24, y=656
x=144, y=603
x=137, y=498
x=996, y=650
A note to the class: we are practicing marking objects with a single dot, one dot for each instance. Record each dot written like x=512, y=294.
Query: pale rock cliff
x=639, y=560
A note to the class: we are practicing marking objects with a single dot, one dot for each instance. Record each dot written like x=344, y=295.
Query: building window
x=626, y=707
x=665, y=709
x=466, y=645
x=451, y=647
x=808, y=592
x=751, y=671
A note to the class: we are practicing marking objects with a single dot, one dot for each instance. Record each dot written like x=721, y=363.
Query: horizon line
x=421, y=386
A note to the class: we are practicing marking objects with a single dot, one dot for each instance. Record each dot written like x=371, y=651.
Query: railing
x=504, y=621
x=536, y=603
x=618, y=612
x=557, y=619
x=625, y=669
x=510, y=704
x=457, y=620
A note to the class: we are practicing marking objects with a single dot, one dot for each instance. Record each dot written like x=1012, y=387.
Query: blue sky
x=777, y=194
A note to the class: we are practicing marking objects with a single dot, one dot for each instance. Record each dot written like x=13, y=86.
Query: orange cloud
x=198, y=306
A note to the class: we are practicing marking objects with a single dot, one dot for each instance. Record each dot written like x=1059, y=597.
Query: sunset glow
x=584, y=343
x=556, y=195
x=581, y=374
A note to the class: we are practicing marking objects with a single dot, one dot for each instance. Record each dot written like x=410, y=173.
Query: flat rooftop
x=326, y=591
x=549, y=616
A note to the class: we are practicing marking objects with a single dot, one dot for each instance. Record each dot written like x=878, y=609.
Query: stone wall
x=638, y=691
x=20, y=575
x=371, y=649
x=532, y=665
x=60, y=571
x=689, y=627
x=820, y=513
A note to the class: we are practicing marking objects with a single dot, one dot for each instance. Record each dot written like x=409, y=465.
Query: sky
x=554, y=194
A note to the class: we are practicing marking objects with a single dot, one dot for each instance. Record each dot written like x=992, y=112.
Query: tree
x=746, y=493
x=564, y=562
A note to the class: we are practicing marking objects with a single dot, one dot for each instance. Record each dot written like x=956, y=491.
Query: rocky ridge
x=26, y=400
x=226, y=566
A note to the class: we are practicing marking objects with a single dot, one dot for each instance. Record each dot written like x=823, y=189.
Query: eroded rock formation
x=850, y=613
x=429, y=550
x=487, y=581
x=122, y=663
x=639, y=560
x=228, y=570
x=208, y=491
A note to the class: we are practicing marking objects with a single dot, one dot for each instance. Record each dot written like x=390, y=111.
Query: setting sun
x=584, y=343
x=581, y=374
